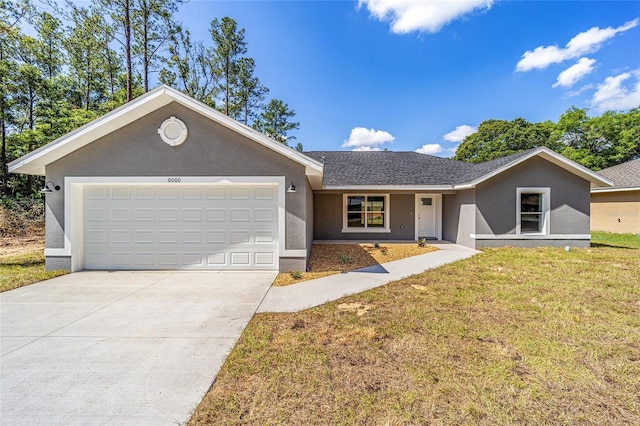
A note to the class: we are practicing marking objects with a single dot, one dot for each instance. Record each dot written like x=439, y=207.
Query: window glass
x=531, y=212
x=355, y=220
x=355, y=204
x=366, y=211
x=531, y=223
x=531, y=203
x=375, y=220
x=375, y=204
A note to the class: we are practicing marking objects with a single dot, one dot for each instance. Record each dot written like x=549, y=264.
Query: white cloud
x=430, y=149
x=575, y=72
x=407, y=16
x=585, y=42
x=366, y=148
x=612, y=95
x=363, y=139
x=460, y=133
x=580, y=90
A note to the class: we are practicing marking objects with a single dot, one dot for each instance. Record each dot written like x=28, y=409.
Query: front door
x=428, y=216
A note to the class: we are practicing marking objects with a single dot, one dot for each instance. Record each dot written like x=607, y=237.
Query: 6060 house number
x=174, y=180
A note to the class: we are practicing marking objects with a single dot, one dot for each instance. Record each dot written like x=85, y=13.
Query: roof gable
x=495, y=167
x=36, y=161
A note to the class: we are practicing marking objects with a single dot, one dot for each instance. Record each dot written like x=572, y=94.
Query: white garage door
x=180, y=227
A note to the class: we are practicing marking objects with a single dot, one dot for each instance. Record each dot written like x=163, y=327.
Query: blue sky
x=406, y=74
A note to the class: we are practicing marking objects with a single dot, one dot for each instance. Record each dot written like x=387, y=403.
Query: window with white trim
x=366, y=213
x=533, y=211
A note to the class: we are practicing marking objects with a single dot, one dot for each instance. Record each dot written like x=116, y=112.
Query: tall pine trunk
x=127, y=48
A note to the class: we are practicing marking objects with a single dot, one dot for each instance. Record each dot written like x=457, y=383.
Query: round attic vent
x=173, y=131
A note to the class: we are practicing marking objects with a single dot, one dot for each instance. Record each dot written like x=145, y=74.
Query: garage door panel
x=264, y=237
x=190, y=227
x=240, y=193
x=145, y=259
x=216, y=237
x=144, y=215
x=168, y=215
x=97, y=214
x=239, y=215
x=143, y=193
x=192, y=237
x=218, y=259
x=216, y=215
x=240, y=237
x=240, y=258
x=145, y=237
x=265, y=193
x=192, y=215
x=121, y=237
x=120, y=193
x=264, y=258
x=192, y=194
x=168, y=193
x=120, y=215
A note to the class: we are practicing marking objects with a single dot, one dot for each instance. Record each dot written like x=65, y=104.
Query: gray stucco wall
x=569, y=199
x=310, y=217
x=328, y=209
x=210, y=150
x=458, y=217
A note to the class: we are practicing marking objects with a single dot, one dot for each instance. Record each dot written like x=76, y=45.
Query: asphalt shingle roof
x=347, y=168
x=625, y=175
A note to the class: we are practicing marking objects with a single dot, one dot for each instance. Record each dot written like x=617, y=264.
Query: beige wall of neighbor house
x=617, y=211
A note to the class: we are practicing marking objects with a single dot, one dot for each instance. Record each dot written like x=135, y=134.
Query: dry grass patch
x=511, y=336
x=329, y=259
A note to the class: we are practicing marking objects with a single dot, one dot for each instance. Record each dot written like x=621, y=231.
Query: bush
x=296, y=275
x=21, y=216
x=345, y=258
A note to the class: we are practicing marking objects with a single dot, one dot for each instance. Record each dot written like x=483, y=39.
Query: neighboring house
x=617, y=208
x=166, y=182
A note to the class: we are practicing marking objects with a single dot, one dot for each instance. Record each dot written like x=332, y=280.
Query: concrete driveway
x=139, y=348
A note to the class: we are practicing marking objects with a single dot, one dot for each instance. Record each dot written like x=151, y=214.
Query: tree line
x=595, y=142
x=77, y=63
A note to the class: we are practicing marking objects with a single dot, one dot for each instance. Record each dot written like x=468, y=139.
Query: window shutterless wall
x=328, y=210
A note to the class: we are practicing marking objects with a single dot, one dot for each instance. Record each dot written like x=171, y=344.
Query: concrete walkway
x=312, y=293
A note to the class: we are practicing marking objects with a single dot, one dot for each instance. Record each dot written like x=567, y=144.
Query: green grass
x=608, y=239
x=24, y=269
x=511, y=336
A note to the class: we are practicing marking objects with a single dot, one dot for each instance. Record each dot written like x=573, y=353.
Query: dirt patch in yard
x=16, y=245
x=329, y=259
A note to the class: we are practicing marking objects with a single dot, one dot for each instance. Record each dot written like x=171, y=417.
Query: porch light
x=49, y=188
x=291, y=188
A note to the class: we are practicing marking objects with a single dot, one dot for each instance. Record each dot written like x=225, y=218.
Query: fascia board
x=388, y=187
x=627, y=189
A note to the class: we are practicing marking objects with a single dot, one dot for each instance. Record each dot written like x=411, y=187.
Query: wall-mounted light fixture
x=291, y=188
x=49, y=188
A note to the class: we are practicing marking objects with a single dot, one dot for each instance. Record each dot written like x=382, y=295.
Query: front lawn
x=609, y=239
x=511, y=336
x=17, y=270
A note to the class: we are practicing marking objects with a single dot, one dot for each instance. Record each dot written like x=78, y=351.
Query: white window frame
x=386, y=212
x=546, y=209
